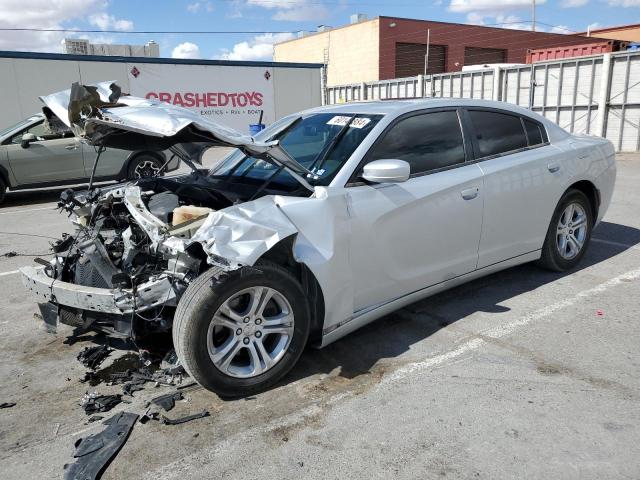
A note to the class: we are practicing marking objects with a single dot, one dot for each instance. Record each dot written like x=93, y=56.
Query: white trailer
x=233, y=93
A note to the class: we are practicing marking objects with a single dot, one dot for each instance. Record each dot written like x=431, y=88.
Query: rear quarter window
x=534, y=132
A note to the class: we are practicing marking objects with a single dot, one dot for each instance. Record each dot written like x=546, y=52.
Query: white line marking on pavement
x=508, y=328
x=2, y=274
x=52, y=208
x=615, y=244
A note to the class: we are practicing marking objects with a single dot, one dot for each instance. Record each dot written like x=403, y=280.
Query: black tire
x=551, y=258
x=3, y=190
x=136, y=168
x=202, y=299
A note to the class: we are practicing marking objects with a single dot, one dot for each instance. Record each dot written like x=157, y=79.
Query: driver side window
x=428, y=141
x=41, y=132
x=38, y=130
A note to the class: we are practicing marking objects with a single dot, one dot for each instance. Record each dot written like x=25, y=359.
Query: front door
x=50, y=158
x=408, y=236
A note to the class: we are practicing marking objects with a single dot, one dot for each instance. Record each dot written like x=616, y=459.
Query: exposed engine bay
x=141, y=242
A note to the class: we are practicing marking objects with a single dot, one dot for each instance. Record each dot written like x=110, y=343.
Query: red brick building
x=389, y=47
x=403, y=45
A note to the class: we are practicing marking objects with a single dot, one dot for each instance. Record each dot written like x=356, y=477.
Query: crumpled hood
x=103, y=116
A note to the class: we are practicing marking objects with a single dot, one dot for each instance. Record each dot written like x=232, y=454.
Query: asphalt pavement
x=523, y=374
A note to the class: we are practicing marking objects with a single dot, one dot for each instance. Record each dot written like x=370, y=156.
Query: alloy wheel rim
x=145, y=169
x=250, y=332
x=571, y=231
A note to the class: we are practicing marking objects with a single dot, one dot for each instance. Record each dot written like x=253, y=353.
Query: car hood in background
x=104, y=116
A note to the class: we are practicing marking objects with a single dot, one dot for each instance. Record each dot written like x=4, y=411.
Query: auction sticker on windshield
x=341, y=120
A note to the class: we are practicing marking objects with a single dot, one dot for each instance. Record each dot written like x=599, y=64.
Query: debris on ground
x=133, y=386
x=7, y=404
x=10, y=254
x=92, y=357
x=148, y=415
x=94, y=403
x=136, y=369
x=177, y=421
x=167, y=401
x=94, y=453
x=95, y=418
x=171, y=365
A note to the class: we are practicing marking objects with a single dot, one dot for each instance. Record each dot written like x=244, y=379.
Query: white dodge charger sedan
x=326, y=221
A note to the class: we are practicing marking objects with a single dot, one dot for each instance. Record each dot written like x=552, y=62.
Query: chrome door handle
x=71, y=147
x=470, y=193
x=553, y=167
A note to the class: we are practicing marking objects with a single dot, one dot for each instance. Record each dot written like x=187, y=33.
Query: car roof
x=398, y=107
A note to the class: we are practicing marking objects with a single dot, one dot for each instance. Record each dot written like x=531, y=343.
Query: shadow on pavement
x=394, y=334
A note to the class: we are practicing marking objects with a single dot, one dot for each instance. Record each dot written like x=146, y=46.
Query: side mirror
x=26, y=139
x=386, y=171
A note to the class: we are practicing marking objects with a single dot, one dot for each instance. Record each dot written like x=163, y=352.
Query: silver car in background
x=32, y=156
x=324, y=222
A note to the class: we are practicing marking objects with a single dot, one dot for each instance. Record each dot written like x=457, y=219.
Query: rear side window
x=497, y=132
x=534, y=132
x=427, y=142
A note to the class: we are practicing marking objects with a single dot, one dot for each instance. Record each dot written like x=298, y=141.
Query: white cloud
x=186, y=50
x=512, y=22
x=104, y=21
x=41, y=14
x=624, y=3
x=563, y=29
x=292, y=10
x=497, y=6
x=259, y=48
x=195, y=7
x=573, y=3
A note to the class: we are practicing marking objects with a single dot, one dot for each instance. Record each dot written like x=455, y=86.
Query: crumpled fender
x=242, y=233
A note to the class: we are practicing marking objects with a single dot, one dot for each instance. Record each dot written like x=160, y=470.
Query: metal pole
x=426, y=55
x=533, y=16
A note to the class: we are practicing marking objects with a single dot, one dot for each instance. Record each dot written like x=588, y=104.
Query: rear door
x=50, y=158
x=407, y=236
x=521, y=183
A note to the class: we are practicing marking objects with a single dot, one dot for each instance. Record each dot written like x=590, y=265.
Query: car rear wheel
x=569, y=232
x=238, y=333
x=144, y=166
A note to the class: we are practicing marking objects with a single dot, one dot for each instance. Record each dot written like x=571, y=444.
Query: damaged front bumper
x=155, y=292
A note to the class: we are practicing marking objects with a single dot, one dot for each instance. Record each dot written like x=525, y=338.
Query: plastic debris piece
x=94, y=403
x=7, y=404
x=94, y=453
x=95, y=418
x=177, y=421
x=599, y=313
x=92, y=357
x=133, y=386
x=166, y=402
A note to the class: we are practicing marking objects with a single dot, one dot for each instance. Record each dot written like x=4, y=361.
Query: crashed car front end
x=136, y=247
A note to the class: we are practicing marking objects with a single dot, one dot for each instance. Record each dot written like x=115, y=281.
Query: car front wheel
x=238, y=333
x=144, y=166
x=569, y=232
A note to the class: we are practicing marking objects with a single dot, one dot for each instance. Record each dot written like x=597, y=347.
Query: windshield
x=17, y=126
x=320, y=142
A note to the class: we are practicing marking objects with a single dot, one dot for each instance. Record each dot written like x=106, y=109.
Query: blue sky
x=126, y=16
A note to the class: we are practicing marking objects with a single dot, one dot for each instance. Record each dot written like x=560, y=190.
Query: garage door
x=480, y=56
x=410, y=59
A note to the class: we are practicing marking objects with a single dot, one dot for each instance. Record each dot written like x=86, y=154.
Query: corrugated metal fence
x=571, y=92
